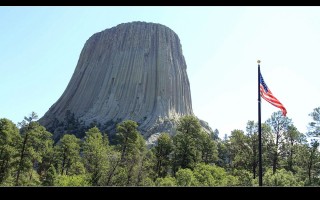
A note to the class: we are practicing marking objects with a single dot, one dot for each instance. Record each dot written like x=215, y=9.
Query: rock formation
x=131, y=71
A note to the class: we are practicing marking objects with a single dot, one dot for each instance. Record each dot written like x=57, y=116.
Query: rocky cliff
x=131, y=71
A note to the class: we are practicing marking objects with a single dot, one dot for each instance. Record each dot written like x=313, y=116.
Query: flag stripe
x=277, y=105
x=270, y=98
x=267, y=95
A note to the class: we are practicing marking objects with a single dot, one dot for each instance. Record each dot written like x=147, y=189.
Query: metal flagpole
x=259, y=126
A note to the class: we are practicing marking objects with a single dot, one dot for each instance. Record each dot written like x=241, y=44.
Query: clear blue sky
x=40, y=47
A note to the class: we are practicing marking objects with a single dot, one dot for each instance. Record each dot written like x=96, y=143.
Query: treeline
x=30, y=157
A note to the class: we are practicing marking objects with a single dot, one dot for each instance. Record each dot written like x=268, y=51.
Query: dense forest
x=30, y=157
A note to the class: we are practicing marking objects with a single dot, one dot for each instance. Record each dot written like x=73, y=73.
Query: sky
x=40, y=47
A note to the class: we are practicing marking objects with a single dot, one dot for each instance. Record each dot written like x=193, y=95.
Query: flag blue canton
x=265, y=87
x=267, y=95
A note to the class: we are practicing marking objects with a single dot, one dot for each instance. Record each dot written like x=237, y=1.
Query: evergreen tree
x=132, y=149
x=94, y=155
x=190, y=158
x=292, y=139
x=134, y=162
x=36, y=142
x=145, y=169
x=71, y=180
x=210, y=175
x=244, y=177
x=280, y=178
x=267, y=146
x=185, y=177
x=113, y=159
x=240, y=150
x=223, y=154
x=215, y=134
x=279, y=125
x=186, y=143
x=48, y=159
x=166, y=181
x=313, y=159
x=127, y=137
x=162, y=152
x=208, y=148
x=50, y=176
x=68, y=156
x=9, y=140
x=253, y=142
x=314, y=126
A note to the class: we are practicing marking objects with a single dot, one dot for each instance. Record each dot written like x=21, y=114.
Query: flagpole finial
x=258, y=61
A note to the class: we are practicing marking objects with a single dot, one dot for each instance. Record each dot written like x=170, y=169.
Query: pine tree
x=9, y=140
x=279, y=125
x=95, y=155
x=68, y=156
x=186, y=143
x=50, y=176
x=162, y=151
x=35, y=143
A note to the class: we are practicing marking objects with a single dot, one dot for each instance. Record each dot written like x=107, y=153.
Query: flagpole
x=259, y=126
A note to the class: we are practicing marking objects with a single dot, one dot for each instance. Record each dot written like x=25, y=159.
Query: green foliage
x=314, y=126
x=73, y=180
x=33, y=116
x=133, y=151
x=95, y=154
x=312, y=163
x=120, y=177
x=135, y=163
x=223, y=154
x=314, y=167
x=189, y=125
x=162, y=152
x=210, y=175
x=208, y=148
x=279, y=123
x=9, y=181
x=240, y=150
x=190, y=158
x=292, y=140
x=166, y=181
x=9, y=140
x=36, y=142
x=184, y=177
x=68, y=155
x=186, y=146
x=69, y=125
x=29, y=178
x=204, y=174
x=145, y=170
x=268, y=146
x=279, y=126
x=245, y=177
x=50, y=176
x=113, y=159
x=76, y=168
x=280, y=178
x=47, y=159
x=253, y=142
x=127, y=137
x=215, y=134
x=147, y=182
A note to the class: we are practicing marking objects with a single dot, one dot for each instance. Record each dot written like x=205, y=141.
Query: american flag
x=268, y=96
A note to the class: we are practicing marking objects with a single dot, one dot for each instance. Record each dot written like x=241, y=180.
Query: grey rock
x=131, y=71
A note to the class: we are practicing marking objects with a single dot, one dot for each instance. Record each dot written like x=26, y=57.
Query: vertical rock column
x=132, y=71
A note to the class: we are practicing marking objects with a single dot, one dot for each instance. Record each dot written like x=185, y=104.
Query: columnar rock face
x=132, y=71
